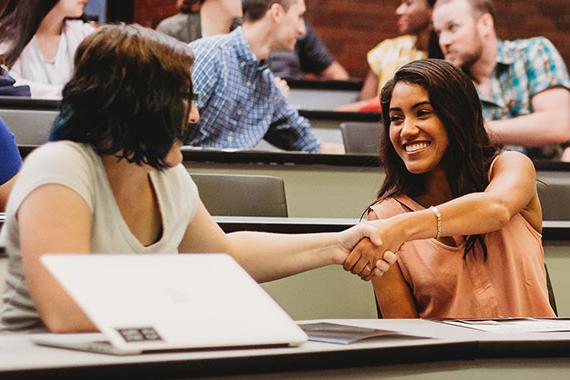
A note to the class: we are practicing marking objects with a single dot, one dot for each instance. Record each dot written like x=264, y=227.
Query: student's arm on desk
x=269, y=256
x=54, y=219
x=335, y=71
x=548, y=124
x=369, y=90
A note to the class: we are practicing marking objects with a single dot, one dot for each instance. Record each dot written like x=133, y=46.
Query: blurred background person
x=201, y=18
x=311, y=58
x=39, y=41
x=523, y=84
x=414, y=25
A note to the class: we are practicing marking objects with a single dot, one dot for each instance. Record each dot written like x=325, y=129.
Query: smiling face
x=414, y=16
x=459, y=33
x=416, y=132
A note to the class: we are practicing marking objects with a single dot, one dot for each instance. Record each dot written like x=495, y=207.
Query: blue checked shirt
x=524, y=68
x=239, y=102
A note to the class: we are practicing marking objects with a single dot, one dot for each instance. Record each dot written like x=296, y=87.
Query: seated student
x=464, y=218
x=39, y=40
x=112, y=180
x=414, y=18
x=201, y=18
x=240, y=102
x=523, y=84
x=310, y=57
x=10, y=163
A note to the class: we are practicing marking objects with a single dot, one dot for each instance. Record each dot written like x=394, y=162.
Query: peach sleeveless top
x=510, y=283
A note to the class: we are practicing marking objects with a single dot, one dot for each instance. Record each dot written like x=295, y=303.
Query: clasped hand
x=374, y=253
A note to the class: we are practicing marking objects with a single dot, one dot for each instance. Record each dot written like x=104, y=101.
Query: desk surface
x=20, y=357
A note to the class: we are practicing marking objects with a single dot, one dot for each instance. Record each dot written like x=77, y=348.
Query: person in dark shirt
x=310, y=56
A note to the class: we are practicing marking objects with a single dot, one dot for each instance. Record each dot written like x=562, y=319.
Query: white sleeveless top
x=78, y=167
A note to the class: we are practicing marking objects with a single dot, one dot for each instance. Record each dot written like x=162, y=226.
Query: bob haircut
x=126, y=95
x=469, y=153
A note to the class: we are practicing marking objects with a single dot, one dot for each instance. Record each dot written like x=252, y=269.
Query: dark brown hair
x=469, y=153
x=254, y=10
x=126, y=95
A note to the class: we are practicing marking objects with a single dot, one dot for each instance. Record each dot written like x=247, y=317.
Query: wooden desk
x=446, y=352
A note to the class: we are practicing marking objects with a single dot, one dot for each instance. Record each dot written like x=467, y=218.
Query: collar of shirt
x=505, y=57
x=244, y=53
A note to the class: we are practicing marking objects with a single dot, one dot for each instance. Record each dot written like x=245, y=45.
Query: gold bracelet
x=438, y=217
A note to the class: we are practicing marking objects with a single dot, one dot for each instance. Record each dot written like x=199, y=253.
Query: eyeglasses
x=192, y=98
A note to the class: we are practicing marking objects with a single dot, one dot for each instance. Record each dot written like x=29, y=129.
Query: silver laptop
x=167, y=302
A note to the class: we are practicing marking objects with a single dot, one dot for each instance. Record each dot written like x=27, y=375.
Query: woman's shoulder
x=511, y=160
x=60, y=155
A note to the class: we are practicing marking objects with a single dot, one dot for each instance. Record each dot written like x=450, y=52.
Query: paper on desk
x=516, y=325
x=344, y=334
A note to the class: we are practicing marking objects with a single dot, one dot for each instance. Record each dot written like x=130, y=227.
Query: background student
x=201, y=18
x=39, y=40
x=464, y=218
x=523, y=84
x=113, y=181
x=414, y=25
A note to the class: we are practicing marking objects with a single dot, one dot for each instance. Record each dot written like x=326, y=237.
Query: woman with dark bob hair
x=112, y=180
x=464, y=218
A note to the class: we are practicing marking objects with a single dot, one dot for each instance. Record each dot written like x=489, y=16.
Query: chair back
x=242, y=195
x=360, y=137
x=553, y=192
x=29, y=119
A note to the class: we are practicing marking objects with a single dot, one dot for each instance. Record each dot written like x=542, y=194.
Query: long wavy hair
x=129, y=95
x=469, y=153
x=18, y=24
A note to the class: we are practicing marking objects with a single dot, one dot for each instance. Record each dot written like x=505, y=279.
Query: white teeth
x=415, y=147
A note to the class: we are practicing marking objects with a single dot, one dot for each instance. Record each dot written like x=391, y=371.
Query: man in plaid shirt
x=239, y=102
x=523, y=84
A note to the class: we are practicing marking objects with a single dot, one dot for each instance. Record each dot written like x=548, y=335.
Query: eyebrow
x=413, y=107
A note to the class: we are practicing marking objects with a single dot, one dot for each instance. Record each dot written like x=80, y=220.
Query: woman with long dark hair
x=112, y=180
x=464, y=218
x=38, y=41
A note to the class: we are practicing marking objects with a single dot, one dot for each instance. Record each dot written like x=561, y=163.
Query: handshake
x=370, y=248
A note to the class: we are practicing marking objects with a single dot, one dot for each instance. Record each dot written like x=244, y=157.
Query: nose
x=409, y=129
x=444, y=40
x=194, y=116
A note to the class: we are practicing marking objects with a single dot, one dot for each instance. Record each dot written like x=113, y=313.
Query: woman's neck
x=437, y=189
x=52, y=24
x=422, y=39
x=125, y=177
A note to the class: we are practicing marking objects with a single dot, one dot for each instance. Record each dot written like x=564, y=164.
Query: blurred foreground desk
x=446, y=352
